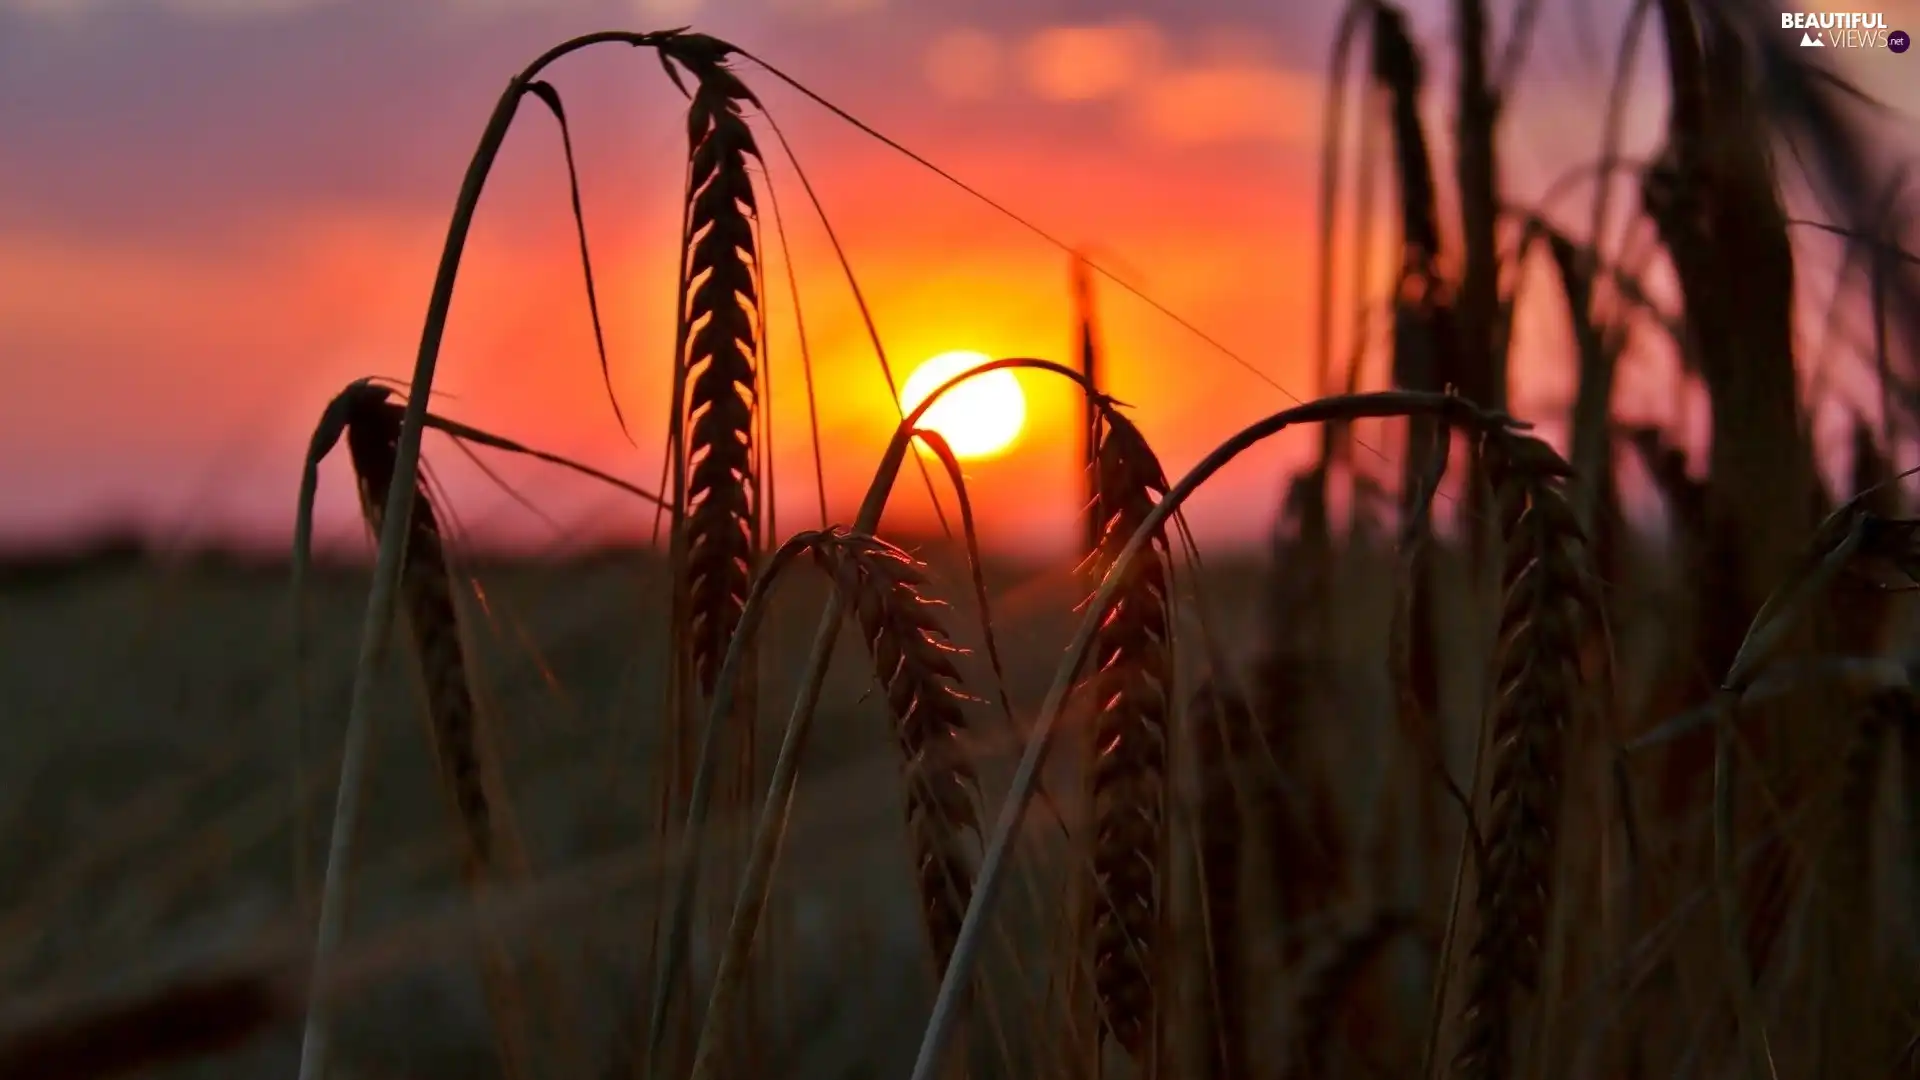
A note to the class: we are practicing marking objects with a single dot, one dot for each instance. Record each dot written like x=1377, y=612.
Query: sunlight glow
x=979, y=418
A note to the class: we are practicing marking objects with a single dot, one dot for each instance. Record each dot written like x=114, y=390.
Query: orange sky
x=213, y=214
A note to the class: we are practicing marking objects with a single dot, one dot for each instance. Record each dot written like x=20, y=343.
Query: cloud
x=964, y=65
x=212, y=9
x=668, y=9
x=1223, y=89
x=1227, y=103
x=1088, y=63
x=825, y=8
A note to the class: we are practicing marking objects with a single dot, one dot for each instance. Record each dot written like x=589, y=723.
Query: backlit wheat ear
x=719, y=327
x=426, y=585
x=1129, y=686
x=433, y=622
x=913, y=660
x=1545, y=609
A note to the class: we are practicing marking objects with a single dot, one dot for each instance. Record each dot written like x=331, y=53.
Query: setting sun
x=980, y=417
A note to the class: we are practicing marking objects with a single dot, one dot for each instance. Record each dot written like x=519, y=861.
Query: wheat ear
x=1546, y=607
x=913, y=660
x=433, y=624
x=1129, y=686
x=720, y=331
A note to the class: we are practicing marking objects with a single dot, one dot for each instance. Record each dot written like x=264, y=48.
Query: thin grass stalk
x=806, y=353
x=1090, y=411
x=1482, y=377
x=688, y=855
x=1220, y=721
x=1332, y=118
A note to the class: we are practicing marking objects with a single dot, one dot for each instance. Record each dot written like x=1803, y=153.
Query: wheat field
x=1480, y=770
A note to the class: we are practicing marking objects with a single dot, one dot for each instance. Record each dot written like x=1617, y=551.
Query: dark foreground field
x=148, y=776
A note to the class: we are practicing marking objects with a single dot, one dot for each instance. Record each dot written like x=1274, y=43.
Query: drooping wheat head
x=914, y=661
x=433, y=621
x=1129, y=689
x=426, y=584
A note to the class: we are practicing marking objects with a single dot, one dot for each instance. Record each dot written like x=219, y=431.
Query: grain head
x=914, y=662
x=427, y=583
x=721, y=330
x=1130, y=688
x=1546, y=610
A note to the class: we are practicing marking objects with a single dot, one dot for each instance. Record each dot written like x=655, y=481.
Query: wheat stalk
x=1221, y=722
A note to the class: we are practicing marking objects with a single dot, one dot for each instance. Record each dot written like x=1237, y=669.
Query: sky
x=215, y=213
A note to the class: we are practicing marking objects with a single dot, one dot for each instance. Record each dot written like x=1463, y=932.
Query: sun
x=980, y=417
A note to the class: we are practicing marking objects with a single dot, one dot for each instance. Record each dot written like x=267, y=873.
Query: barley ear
x=1548, y=605
x=1130, y=684
x=913, y=661
x=720, y=327
x=433, y=625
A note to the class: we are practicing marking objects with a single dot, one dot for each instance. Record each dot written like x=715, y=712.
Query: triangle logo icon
x=1809, y=41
